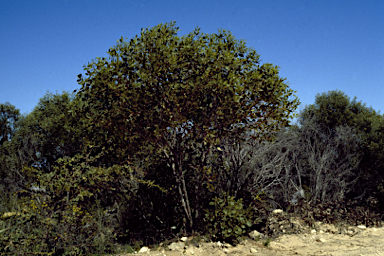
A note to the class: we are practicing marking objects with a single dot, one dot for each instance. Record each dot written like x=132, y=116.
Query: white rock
x=255, y=234
x=176, y=246
x=184, y=238
x=320, y=239
x=313, y=231
x=362, y=227
x=144, y=249
x=252, y=250
x=277, y=211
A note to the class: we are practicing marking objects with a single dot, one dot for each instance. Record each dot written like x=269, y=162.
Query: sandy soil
x=323, y=240
x=364, y=242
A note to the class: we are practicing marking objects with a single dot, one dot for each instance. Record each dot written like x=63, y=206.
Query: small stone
x=184, y=238
x=277, y=211
x=362, y=227
x=252, y=250
x=320, y=239
x=176, y=246
x=313, y=231
x=226, y=245
x=144, y=249
x=255, y=234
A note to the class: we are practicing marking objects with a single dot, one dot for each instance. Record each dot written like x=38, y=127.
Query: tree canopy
x=8, y=116
x=208, y=85
x=334, y=109
x=201, y=86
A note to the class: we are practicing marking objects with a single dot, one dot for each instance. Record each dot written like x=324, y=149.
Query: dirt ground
x=324, y=239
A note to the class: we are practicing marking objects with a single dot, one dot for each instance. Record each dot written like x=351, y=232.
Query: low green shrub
x=228, y=221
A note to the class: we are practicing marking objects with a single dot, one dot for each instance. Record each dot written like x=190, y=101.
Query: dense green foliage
x=161, y=94
x=227, y=220
x=9, y=115
x=170, y=135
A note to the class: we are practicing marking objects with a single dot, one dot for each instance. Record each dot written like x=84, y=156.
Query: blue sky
x=319, y=45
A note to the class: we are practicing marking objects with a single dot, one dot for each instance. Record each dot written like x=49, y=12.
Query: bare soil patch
x=322, y=239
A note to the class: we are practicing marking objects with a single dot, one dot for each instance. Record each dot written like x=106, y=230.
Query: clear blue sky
x=319, y=45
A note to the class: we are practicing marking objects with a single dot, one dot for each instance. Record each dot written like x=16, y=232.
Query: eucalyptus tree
x=164, y=94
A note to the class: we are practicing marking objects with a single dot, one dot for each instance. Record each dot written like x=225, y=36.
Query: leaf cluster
x=228, y=220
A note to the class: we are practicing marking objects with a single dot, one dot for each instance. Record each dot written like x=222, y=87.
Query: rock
x=255, y=235
x=277, y=211
x=313, y=231
x=184, y=238
x=252, y=250
x=179, y=246
x=226, y=245
x=144, y=249
x=362, y=227
x=320, y=239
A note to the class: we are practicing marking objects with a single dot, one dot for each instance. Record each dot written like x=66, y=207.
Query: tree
x=57, y=133
x=160, y=93
x=8, y=116
x=334, y=109
x=41, y=137
x=331, y=160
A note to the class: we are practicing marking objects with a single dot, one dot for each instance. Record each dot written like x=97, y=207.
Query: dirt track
x=355, y=242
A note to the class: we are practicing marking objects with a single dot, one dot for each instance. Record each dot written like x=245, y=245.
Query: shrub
x=229, y=220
